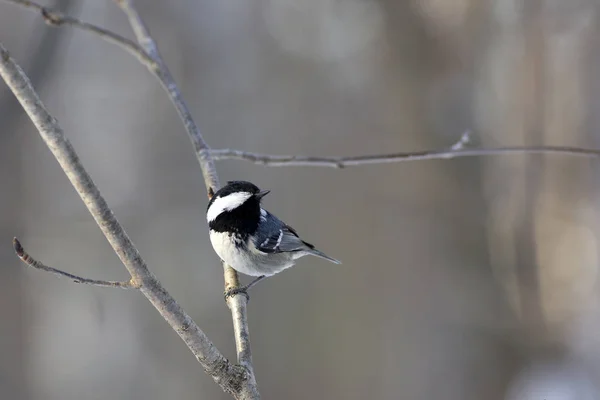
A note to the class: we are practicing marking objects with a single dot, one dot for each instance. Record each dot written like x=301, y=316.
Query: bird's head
x=239, y=197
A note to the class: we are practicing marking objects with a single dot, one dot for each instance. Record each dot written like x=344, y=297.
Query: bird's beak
x=262, y=194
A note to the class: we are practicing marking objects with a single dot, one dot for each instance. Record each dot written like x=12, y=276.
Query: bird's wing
x=278, y=237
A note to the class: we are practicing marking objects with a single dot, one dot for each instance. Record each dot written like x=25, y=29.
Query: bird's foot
x=237, y=290
x=242, y=289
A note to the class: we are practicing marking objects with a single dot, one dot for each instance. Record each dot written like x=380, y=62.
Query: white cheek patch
x=227, y=203
x=263, y=215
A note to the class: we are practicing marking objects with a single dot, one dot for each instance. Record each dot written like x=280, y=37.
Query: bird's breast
x=233, y=250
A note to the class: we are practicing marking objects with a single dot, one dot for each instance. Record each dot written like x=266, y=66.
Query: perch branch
x=56, y=18
x=32, y=262
x=237, y=304
x=271, y=160
x=233, y=379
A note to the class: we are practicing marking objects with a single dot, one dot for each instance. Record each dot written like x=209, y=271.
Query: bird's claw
x=235, y=291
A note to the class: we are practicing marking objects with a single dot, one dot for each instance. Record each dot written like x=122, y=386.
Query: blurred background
x=461, y=279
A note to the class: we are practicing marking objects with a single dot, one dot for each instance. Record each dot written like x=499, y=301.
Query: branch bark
x=237, y=304
x=160, y=70
x=234, y=379
x=32, y=262
x=57, y=18
x=271, y=160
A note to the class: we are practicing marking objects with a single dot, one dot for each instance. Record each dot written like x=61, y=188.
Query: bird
x=249, y=238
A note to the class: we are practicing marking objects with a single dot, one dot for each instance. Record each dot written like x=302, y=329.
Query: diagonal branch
x=232, y=378
x=32, y=262
x=272, y=160
x=237, y=304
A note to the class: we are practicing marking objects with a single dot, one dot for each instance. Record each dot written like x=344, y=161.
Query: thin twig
x=272, y=160
x=56, y=18
x=237, y=304
x=462, y=142
x=32, y=262
x=231, y=378
x=165, y=78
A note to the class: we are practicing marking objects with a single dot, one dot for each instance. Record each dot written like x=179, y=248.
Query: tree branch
x=233, y=379
x=165, y=78
x=56, y=18
x=272, y=160
x=237, y=304
x=32, y=262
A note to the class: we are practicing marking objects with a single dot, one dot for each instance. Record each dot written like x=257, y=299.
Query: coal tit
x=250, y=239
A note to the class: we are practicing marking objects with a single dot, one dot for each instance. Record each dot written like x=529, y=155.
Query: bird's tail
x=311, y=250
x=322, y=255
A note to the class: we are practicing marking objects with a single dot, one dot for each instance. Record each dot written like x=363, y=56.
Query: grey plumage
x=274, y=236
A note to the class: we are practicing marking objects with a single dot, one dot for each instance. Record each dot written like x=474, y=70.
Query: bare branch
x=56, y=18
x=233, y=379
x=237, y=304
x=272, y=160
x=32, y=262
x=164, y=76
x=457, y=150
